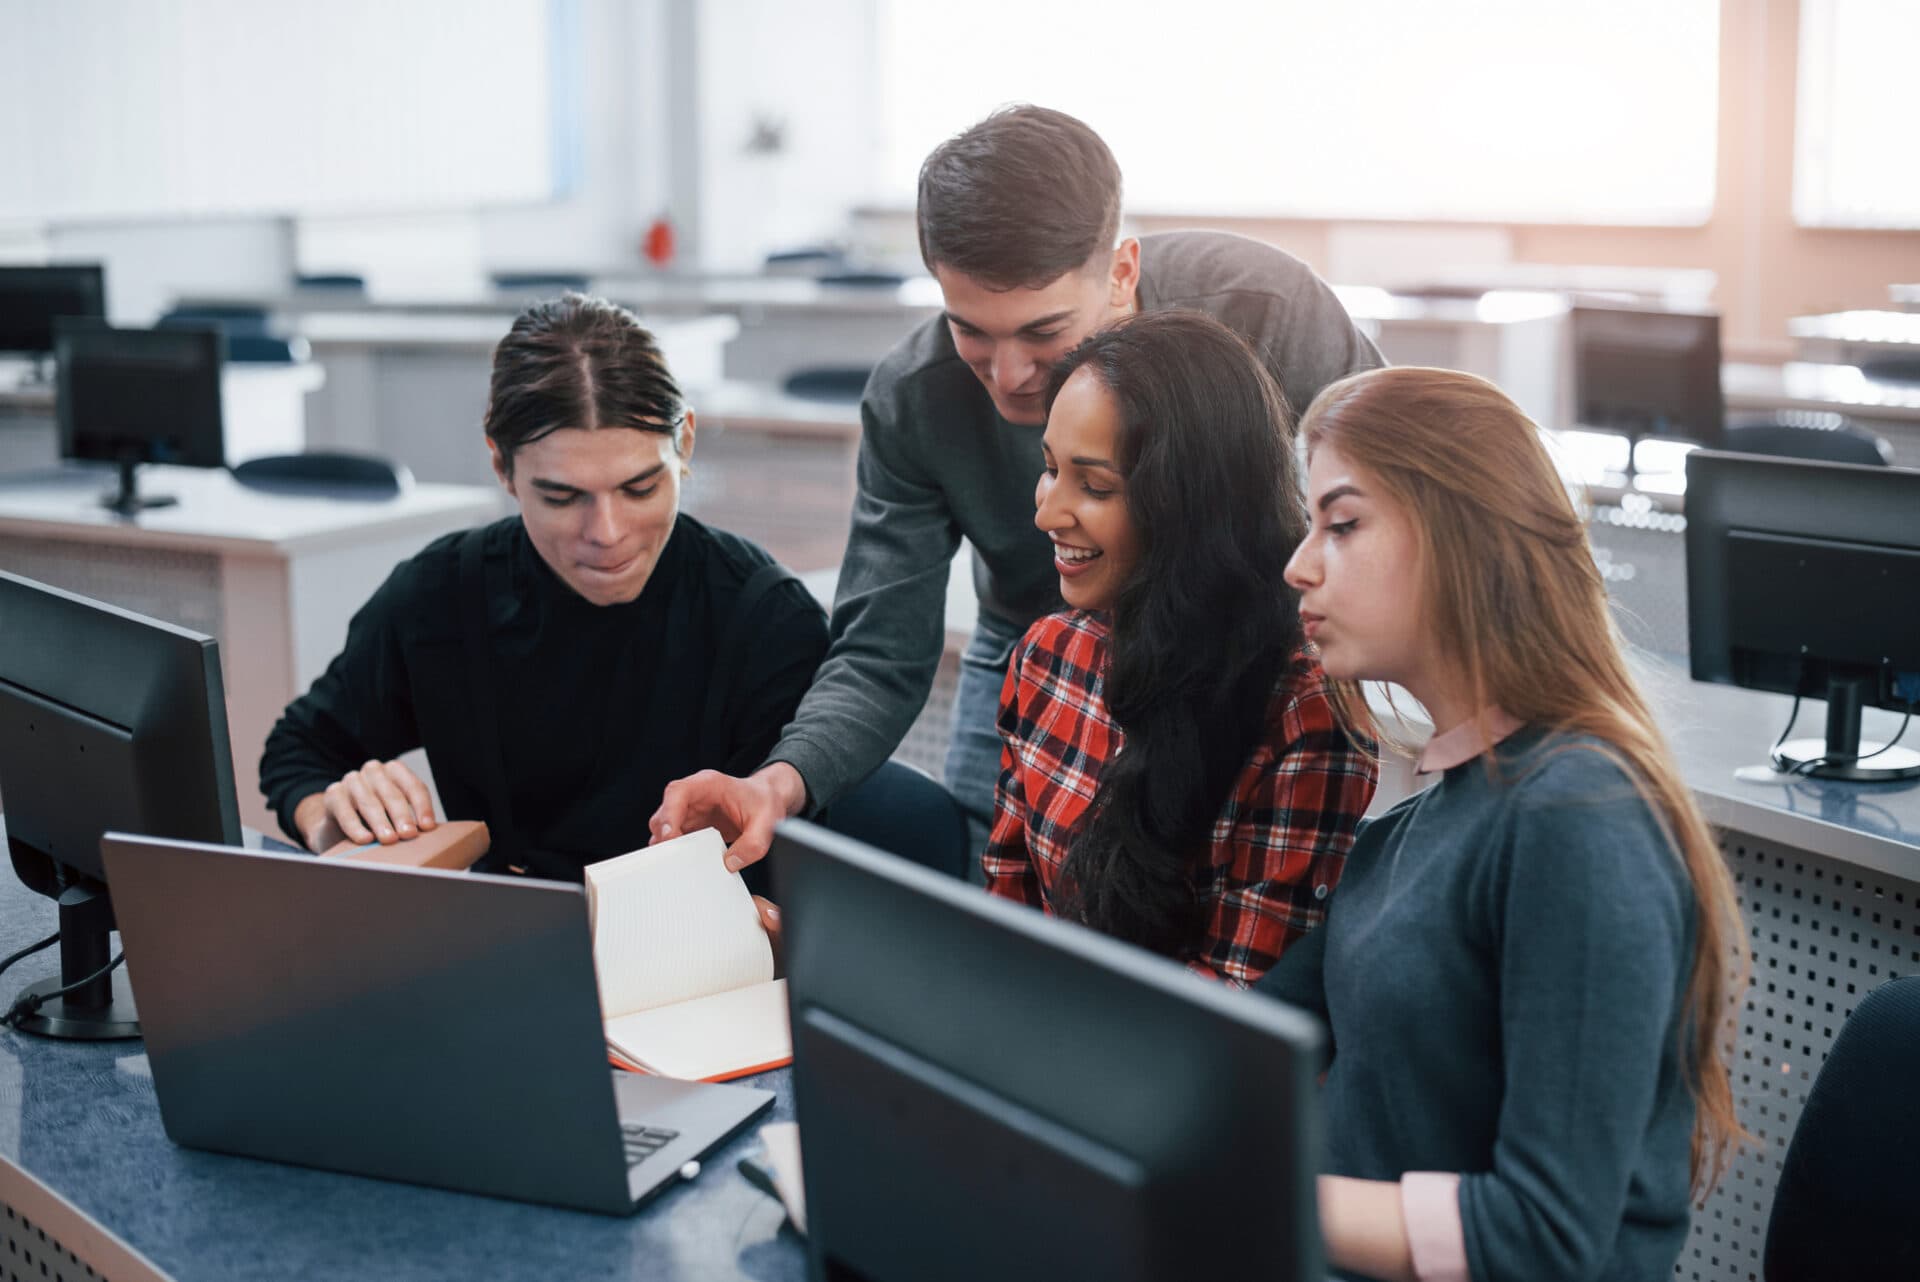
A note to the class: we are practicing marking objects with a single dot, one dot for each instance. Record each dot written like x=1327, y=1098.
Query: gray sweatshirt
x=938, y=462
x=1503, y=970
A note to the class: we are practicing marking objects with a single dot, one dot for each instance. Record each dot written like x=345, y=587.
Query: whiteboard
x=135, y=110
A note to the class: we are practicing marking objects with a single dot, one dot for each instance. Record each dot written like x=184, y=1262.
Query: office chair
x=244, y=330
x=843, y=383
x=1844, y=1210
x=1838, y=442
x=342, y=281
x=907, y=812
x=804, y=260
x=577, y=282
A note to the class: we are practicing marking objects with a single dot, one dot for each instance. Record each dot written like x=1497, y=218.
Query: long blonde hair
x=1516, y=603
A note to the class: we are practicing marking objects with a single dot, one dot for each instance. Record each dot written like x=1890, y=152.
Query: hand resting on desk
x=382, y=801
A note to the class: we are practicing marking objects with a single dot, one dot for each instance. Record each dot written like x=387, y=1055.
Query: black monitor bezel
x=91, y=279
x=114, y=671
x=1833, y=505
x=972, y=974
x=195, y=397
x=1702, y=420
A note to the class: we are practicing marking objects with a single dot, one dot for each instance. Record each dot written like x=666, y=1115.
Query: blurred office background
x=1650, y=221
x=1658, y=224
x=207, y=146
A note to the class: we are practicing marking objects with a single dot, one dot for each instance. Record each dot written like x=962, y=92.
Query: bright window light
x=1853, y=162
x=1502, y=110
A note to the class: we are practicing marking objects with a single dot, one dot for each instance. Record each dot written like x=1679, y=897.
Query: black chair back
x=1846, y=444
x=1847, y=1208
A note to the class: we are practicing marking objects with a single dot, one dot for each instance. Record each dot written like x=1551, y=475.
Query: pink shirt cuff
x=1430, y=1200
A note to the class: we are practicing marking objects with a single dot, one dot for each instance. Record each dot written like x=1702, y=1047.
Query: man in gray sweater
x=1018, y=219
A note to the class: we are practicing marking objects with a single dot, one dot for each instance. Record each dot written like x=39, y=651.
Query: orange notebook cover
x=453, y=844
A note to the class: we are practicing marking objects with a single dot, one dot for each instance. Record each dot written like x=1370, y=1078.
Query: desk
x=263, y=411
x=1857, y=337
x=1888, y=407
x=83, y=1156
x=1513, y=337
x=273, y=577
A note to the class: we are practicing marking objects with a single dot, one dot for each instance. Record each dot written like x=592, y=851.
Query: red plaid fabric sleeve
x=1009, y=869
x=1281, y=840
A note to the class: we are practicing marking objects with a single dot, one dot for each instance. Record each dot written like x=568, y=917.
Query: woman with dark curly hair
x=1173, y=772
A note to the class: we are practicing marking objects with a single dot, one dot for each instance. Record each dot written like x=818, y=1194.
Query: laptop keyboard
x=644, y=1141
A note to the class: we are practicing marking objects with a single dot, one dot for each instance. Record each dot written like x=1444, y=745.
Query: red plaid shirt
x=1277, y=847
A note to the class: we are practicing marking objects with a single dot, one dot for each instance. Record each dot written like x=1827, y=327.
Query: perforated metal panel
x=179, y=587
x=28, y=1253
x=1823, y=936
x=1643, y=558
x=926, y=743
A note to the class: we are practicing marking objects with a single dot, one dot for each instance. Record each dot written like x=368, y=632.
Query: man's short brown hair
x=1020, y=199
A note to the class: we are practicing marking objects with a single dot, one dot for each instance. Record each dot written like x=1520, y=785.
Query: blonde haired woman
x=1527, y=966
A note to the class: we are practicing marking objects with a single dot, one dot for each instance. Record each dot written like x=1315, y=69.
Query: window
x=1853, y=163
x=123, y=109
x=1501, y=110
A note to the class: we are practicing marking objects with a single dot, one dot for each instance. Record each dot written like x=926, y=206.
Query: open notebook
x=686, y=972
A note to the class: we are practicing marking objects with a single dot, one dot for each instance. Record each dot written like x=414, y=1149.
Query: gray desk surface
x=1806, y=385
x=649, y=295
x=917, y=298
x=1845, y=336
x=81, y=1119
x=217, y=513
x=1716, y=730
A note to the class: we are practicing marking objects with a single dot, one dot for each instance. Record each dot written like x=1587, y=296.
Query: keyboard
x=644, y=1141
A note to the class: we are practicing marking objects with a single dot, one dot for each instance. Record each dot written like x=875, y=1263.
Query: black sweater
x=599, y=707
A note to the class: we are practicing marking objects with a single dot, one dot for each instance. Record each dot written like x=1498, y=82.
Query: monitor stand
x=102, y=1010
x=127, y=499
x=1842, y=754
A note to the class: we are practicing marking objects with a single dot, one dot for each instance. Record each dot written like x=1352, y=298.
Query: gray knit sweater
x=938, y=462
x=1503, y=970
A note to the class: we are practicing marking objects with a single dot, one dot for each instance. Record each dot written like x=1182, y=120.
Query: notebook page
x=670, y=923
x=710, y=1037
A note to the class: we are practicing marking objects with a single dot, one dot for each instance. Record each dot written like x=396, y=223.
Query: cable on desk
x=1841, y=758
x=32, y=1002
x=30, y=950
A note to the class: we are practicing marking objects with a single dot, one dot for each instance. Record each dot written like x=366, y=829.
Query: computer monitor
x=986, y=1092
x=1647, y=373
x=133, y=396
x=108, y=720
x=32, y=297
x=1803, y=578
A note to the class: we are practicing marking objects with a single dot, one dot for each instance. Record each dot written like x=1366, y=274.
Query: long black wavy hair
x=1204, y=627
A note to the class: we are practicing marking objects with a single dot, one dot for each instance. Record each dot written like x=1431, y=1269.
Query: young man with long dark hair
x=1019, y=221
x=1173, y=772
x=562, y=665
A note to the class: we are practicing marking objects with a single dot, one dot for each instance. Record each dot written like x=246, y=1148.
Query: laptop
x=410, y=1024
